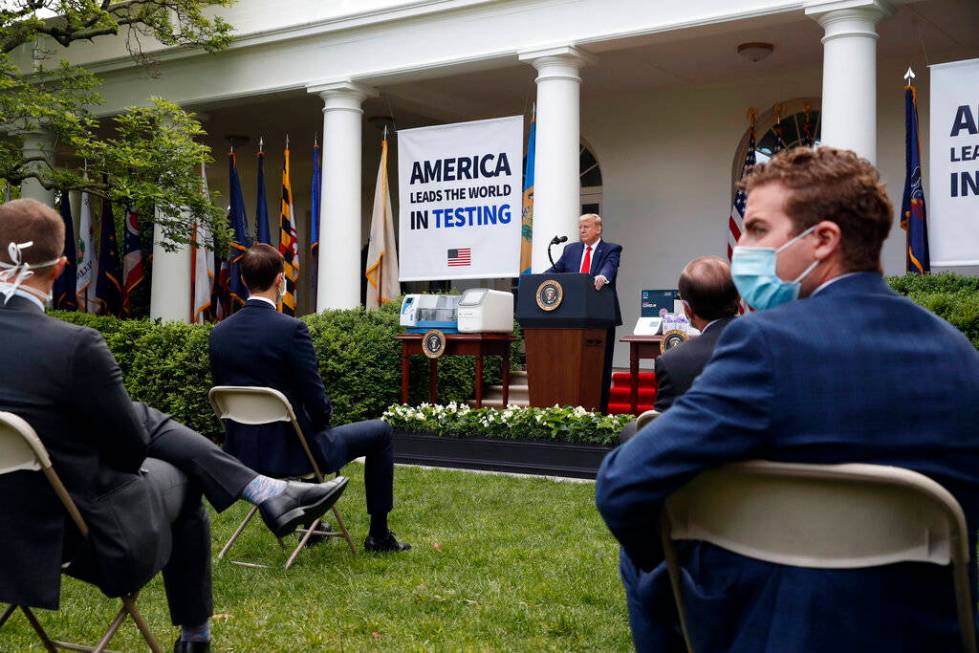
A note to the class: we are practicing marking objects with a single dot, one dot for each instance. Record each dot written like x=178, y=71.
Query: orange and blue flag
x=913, y=217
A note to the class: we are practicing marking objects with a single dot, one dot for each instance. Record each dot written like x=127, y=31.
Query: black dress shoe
x=385, y=544
x=191, y=647
x=300, y=503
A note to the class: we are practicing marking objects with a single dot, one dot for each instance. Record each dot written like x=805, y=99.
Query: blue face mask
x=753, y=269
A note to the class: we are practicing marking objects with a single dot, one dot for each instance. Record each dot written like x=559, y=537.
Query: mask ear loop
x=18, y=269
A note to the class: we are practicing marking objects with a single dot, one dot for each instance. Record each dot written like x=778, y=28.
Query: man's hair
x=28, y=220
x=836, y=185
x=706, y=285
x=591, y=216
x=259, y=266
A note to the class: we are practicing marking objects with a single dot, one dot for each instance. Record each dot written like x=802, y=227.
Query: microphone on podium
x=557, y=240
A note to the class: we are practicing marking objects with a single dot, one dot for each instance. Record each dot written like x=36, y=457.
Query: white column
x=341, y=237
x=38, y=143
x=557, y=190
x=170, y=293
x=849, y=104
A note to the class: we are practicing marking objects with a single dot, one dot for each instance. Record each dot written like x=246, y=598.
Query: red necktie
x=586, y=262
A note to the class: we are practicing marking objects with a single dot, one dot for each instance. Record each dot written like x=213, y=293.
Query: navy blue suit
x=258, y=346
x=605, y=262
x=852, y=374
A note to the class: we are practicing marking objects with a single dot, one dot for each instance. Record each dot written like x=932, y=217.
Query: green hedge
x=166, y=365
x=952, y=297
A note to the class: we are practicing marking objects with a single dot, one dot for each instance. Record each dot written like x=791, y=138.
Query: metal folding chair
x=824, y=517
x=646, y=417
x=21, y=449
x=255, y=405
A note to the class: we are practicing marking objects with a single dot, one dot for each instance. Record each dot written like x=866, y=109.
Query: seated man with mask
x=833, y=367
x=136, y=475
x=258, y=346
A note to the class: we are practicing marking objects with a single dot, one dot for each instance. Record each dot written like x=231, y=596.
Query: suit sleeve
x=610, y=267
x=302, y=360
x=96, y=393
x=665, y=388
x=723, y=418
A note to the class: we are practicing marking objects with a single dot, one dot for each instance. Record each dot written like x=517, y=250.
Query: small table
x=459, y=344
x=640, y=347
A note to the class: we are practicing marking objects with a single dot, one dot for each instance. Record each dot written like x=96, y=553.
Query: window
x=786, y=125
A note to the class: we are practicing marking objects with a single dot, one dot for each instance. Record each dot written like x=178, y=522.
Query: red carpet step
x=619, y=399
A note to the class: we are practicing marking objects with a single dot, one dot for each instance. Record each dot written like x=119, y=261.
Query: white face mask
x=13, y=274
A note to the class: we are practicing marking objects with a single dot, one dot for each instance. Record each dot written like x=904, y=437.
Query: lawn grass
x=499, y=564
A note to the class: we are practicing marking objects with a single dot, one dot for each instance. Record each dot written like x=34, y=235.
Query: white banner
x=953, y=204
x=459, y=188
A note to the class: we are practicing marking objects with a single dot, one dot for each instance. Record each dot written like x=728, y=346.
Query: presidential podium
x=565, y=322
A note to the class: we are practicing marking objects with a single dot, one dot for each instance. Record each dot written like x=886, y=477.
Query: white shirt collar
x=264, y=299
x=710, y=324
x=20, y=292
x=594, y=245
x=832, y=281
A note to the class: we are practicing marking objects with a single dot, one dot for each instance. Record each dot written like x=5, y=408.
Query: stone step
x=498, y=402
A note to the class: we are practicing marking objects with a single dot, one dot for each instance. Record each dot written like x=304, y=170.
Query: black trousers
x=341, y=444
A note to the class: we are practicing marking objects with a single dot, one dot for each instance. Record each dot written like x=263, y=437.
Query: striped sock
x=261, y=488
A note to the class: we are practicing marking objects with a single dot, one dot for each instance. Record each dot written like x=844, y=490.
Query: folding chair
x=825, y=517
x=21, y=449
x=254, y=405
x=646, y=417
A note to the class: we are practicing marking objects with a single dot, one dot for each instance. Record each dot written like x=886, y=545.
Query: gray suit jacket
x=64, y=381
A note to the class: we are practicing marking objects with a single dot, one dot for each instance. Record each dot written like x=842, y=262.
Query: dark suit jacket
x=852, y=374
x=259, y=346
x=604, y=261
x=64, y=381
x=677, y=368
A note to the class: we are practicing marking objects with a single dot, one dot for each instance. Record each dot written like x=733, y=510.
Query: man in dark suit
x=594, y=256
x=258, y=346
x=850, y=372
x=136, y=475
x=710, y=302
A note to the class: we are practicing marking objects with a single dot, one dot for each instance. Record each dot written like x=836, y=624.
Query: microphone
x=557, y=240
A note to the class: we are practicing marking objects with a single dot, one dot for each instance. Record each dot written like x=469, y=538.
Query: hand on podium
x=600, y=281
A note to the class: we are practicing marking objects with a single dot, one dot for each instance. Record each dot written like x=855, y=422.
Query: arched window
x=590, y=175
x=786, y=125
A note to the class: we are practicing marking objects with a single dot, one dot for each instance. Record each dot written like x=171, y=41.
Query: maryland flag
x=288, y=245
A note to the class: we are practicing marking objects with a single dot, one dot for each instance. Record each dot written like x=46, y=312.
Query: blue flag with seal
x=108, y=285
x=236, y=216
x=64, y=286
x=263, y=233
x=913, y=205
x=315, y=235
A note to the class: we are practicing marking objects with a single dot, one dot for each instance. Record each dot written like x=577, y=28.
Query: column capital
x=849, y=17
x=555, y=62
x=344, y=94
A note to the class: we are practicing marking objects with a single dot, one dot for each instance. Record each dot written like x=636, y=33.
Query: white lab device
x=484, y=310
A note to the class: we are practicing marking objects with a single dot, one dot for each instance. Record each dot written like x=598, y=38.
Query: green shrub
x=166, y=365
x=952, y=297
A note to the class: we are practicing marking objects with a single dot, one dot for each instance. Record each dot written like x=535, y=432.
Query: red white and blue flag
x=132, y=260
x=735, y=222
x=460, y=257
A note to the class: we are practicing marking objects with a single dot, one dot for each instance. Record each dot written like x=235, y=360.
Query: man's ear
x=828, y=240
x=58, y=268
x=687, y=311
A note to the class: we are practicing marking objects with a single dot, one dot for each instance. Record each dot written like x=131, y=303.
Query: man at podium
x=599, y=258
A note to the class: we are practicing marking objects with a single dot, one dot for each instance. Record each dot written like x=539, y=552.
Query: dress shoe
x=385, y=544
x=300, y=503
x=180, y=646
x=319, y=538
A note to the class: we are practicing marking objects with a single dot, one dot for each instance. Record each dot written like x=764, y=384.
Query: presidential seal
x=549, y=295
x=433, y=343
x=674, y=338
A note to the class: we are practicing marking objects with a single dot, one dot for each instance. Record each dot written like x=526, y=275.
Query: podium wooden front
x=565, y=345
x=564, y=366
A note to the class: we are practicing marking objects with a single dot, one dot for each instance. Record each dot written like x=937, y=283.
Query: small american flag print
x=461, y=257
